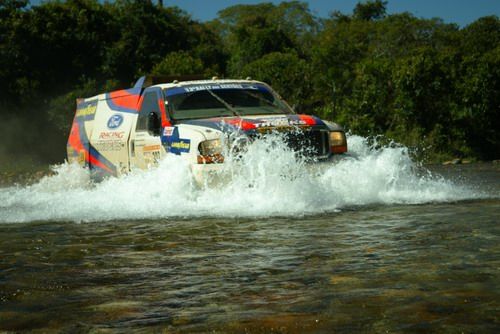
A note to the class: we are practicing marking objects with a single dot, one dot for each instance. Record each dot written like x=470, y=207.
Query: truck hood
x=256, y=123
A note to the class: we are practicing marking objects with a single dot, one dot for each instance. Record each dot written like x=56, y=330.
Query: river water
x=372, y=243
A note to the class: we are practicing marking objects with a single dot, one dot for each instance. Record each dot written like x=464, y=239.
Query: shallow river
x=371, y=244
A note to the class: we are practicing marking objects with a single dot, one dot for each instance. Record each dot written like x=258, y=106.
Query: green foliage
x=366, y=108
x=370, y=10
x=423, y=83
x=286, y=73
x=178, y=63
x=151, y=32
x=481, y=36
x=252, y=31
x=480, y=103
x=61, y=109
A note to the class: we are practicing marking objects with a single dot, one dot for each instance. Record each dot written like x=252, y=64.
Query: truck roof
x=171, y=82
x=176, y=83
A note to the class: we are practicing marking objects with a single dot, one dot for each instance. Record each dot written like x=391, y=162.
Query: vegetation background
x=432, y=86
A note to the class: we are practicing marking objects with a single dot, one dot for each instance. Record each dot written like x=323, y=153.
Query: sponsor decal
x=275, y=122
x=115, y=121
x=297, y=122
x=173, y=143
x=151, y=148
x=276, y=129
x=111, y=135
x=183, y=145
x=86, y=109
x=110, y=146
x=168, y=131
x=215, y=87
x=196, y=88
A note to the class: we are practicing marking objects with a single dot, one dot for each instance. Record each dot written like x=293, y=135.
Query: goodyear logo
x=86, y=109
x=181, y=145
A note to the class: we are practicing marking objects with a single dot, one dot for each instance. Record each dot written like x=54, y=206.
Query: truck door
x=145, y=143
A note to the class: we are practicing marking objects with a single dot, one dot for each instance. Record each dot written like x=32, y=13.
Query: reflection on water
x=370, y=244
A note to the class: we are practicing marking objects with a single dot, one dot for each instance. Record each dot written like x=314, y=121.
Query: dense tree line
x=422, y=82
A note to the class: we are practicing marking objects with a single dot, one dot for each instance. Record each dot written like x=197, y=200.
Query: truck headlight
x=210, y=147
x=338, y=142
x=210, y=152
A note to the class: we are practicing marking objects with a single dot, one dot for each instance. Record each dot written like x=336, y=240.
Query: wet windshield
x=205, y=101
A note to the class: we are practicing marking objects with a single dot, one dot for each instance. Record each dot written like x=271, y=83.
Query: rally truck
x=116, y=132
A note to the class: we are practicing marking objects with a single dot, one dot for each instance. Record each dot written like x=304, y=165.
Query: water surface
x=371, y=244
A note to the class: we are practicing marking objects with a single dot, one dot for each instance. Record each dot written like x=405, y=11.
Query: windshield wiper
x=227, y=105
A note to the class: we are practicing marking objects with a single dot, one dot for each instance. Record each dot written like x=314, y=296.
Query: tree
x=369, y=109
x=251, y=31
x=178, y=63
x=339, y=47
x=481, y=36
x=370, y=10
x=287, y=74
x=479, y=91
x=151, y=33
x=419, y=81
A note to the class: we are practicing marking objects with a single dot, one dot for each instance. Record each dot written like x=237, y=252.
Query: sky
x=461, y=12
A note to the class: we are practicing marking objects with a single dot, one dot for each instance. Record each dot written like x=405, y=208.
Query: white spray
x=268, y=181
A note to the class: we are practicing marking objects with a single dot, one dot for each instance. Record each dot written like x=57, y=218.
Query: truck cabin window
x=149, y=105
x=206, y=103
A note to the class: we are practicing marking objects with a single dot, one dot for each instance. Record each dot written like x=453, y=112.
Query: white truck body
x=113, y=133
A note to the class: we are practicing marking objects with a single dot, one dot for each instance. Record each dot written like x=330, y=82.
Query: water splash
x=268, y=181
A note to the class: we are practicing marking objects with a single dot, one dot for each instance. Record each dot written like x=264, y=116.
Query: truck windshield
x=206, y=101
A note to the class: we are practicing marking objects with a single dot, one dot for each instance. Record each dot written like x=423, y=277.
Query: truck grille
x=309, y=143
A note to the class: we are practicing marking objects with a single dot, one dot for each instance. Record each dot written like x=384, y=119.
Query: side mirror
x=153, y=124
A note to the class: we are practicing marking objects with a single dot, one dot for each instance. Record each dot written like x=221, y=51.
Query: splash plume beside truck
x=115, y=132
